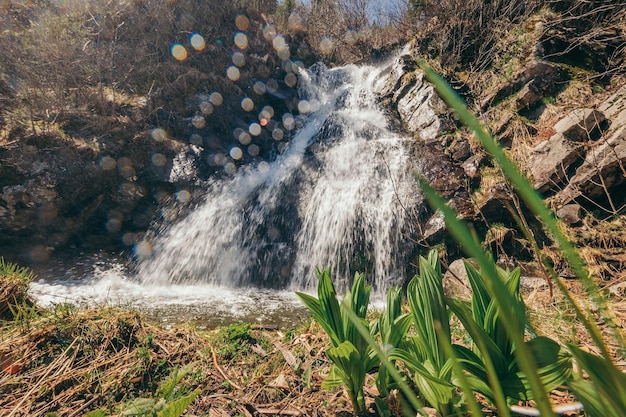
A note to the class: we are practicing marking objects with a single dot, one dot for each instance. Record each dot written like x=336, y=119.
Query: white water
x=336, y=197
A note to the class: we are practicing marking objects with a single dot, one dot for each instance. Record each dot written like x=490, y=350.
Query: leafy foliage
x=493, y=363
x=604, y=393
x=391, y=327
x=170, y=401
x=423, y=353
x=351, y=354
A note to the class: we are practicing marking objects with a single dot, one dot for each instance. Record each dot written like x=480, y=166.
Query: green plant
x=391, y=327
x=351, y=354
x=496, y=287
x=24, y=313
x=423, y=354
x=492, y=364
x=14, y=281
x=236, y=340
x=169, y=400
x=604, y=393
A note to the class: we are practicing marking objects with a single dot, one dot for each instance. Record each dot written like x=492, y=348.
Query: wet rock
x=421, y=110
x=57, y=193
x=440, y=171
x=581, y=125
x=394, y=84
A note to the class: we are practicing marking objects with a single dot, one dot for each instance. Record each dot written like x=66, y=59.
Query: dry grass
x=71, y=361
x=14, y=281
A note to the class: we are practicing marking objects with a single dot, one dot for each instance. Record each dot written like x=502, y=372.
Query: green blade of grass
x=534, y=203
x=384, y=360
x=498, y=290
x=460, y=375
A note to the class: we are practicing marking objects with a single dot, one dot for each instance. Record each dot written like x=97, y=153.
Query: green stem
x=534, y=202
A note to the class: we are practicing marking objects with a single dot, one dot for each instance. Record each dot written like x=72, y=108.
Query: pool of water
x=103, y=280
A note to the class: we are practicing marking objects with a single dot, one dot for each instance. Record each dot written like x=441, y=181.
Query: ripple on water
x=97, y=282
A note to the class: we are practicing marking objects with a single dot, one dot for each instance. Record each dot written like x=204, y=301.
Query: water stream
x=340, y=196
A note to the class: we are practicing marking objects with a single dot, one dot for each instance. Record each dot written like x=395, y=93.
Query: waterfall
x=340, y=196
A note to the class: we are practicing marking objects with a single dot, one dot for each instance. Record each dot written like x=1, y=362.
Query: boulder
x=460, y=150
x=394, y=80
x=472, y=165
x=603, y=170
x=552, y=161
x=532, y=83
x=420, y=109
x=455, y=281
x=570, y=213
x=530, y=94
x=600, y=175
x=493, y=204
x=441, y=172
x=581, y=125
x=614, y=105
x=434, y=228
x=406, y=89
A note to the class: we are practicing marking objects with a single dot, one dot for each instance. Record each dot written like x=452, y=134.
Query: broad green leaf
x=328, y=300
x=333, y=379
x=392, y=327
x=176, y=408
x=320, y=308
x=485, y=344
x=351, y=371
x=428, y=308
x=138, y=407
x=595, y=405
x=167, y=387
x=494, y=362
x=605, y=392
x=96, y=413
x=480, y=295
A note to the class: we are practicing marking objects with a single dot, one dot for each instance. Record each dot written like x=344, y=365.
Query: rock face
x=57, y=193
x=581, y=125
x=536, y=80
x=600, y=176
x=96, y=178
x=554, y=161
x=421, y=110
x=584, y=161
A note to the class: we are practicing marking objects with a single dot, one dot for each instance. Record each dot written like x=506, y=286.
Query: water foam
x=338, y=193
x=339, y=196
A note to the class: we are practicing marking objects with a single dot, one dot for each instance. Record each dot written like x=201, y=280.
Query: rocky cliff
x=563, y=122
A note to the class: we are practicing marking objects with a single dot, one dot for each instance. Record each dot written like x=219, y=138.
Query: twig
x=217, y=366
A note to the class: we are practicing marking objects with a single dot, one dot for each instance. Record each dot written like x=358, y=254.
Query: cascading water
x=340, y=195
x=335, y=198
